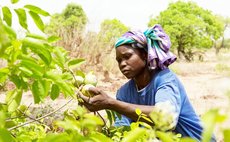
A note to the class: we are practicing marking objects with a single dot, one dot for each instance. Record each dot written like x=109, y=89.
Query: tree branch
x=15, y=127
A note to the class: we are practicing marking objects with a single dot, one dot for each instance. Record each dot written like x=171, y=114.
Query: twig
x=72, y=75
x=15, y=127
x=11, y=118
x=25, y=115
x=8, y=119
x=101, y=118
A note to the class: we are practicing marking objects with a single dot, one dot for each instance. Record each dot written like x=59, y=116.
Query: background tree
x=227, y=43
x=68, y=25
x=190, y=27
x=110, y=30
x=222, y=43
x=101, y=44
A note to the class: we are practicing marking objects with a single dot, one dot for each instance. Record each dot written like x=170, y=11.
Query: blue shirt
x=164, y=86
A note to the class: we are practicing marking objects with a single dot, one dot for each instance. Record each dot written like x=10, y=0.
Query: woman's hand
x=103, y=101
x=99, y=101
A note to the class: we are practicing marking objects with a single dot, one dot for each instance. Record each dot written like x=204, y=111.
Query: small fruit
x=78, y=81
x=85, y=90
x=90, y=78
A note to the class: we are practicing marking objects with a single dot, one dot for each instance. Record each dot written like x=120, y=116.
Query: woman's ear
x=144, y=55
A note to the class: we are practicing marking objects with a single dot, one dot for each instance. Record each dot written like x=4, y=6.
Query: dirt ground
x=206, y=87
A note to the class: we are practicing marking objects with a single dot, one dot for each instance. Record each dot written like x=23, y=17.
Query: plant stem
x=15, y=127
x=101, y=117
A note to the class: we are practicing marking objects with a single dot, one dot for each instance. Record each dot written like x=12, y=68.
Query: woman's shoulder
x=124, y=91
x=127, y=85
x=164, y=75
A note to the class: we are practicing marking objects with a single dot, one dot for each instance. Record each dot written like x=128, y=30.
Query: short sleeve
x=168, y=93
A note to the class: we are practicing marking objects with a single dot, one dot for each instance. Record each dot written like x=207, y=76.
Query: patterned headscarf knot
x=155, y=42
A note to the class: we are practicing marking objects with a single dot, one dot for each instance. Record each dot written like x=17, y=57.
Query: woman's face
x=131, y=61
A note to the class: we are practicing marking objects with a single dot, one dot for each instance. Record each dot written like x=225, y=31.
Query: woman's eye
x=127, y=56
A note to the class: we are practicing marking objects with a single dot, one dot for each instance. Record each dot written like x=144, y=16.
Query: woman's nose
x=123, y=64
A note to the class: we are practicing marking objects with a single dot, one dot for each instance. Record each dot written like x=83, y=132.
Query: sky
x=133, y=13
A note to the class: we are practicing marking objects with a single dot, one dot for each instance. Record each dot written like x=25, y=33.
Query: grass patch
x=222, y=68
x=176, y=69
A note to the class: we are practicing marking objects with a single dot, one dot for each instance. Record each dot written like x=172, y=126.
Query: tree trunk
x=179, y=50
x=221, y=46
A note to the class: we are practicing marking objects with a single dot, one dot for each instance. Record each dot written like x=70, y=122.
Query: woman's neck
x=144, y=78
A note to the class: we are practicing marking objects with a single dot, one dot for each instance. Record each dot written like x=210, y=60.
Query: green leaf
x=10, y=32
x=209, y=119
x=7, y=15
x=89, y=119
x=52, y=39
x=38, y=91
x=75, y=63
x=37, y=10
x=164, y=136
x=26, y=71
x=16, y=80
x=80, y=73
x=22, y=17
x=147, y=119
x=10, y=123
x=3, y=74
x=53, y=137
x=99, y=137
x=16, y=44
x=47, y=86
x=134, y=135
x=134, y=125
x=187, y=140
x=67, y=76
x=145, y=125
x=35, y=36
x=55, y=91
x=59, y=56
x=39, y=49
x=5, y=136
x=15, y=100
x=2, y=118
x=227, y=135
x=110, y=116
x=138, y=111
x=14, y=1
x=32, y=65
x=37, y=20
x=56, y=78
x=68, y=125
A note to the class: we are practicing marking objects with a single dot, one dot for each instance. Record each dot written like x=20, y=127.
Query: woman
x=144, y=58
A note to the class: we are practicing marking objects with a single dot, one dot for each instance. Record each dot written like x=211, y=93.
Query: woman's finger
x=94, y=90
x=84, y=98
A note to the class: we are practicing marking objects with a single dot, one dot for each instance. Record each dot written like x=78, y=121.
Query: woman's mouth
x=125, y=72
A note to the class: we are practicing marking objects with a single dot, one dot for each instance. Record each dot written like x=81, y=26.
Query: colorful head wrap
x=154, y=41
